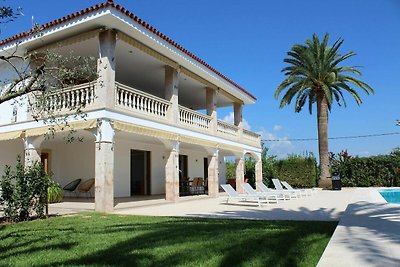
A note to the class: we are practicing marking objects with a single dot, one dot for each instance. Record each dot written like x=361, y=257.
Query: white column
x=213, y=174
x=104, y=168
x=105, y=87
x=239, y=173
x=171, y=84
x=172, y=173
x=32, y=149
x=211, y=103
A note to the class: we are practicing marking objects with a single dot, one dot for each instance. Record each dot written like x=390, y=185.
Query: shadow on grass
x=148, y=241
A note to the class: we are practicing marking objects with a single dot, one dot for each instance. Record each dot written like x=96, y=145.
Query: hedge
x=381, y=170
x=298, y=171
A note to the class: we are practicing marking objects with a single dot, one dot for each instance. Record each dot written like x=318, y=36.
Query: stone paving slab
x=326, y=205
x=368, y=233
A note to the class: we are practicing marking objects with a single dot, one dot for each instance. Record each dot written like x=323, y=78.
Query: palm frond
x=314, y=68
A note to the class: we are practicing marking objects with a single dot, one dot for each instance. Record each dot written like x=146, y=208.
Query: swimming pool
x=391, y=195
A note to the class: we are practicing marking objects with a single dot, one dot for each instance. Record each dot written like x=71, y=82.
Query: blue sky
x=247, y=41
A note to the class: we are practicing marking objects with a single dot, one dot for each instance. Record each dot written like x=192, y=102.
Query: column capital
x=105, y=132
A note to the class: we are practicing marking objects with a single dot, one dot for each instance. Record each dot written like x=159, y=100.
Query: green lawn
x=92, y=239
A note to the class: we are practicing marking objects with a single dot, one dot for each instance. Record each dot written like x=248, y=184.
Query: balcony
x=141, y=104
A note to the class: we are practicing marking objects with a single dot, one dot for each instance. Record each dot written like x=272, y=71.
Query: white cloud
x=279, y=146
x=277, y=128
x=230, y=119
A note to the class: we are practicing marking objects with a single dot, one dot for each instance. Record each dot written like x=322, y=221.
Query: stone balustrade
x=194, y=119
x=82, y=95
x=227, y=129
x=138, y=101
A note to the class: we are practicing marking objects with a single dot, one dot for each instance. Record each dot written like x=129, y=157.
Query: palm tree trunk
x=322, y=118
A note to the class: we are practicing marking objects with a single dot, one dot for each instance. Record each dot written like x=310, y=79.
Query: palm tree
x=314, y=76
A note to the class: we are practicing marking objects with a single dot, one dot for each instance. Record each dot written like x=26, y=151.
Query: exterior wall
x=122, y=166
x=7, y=74
x=8, y=153
x=7, y=109
x=195, y=162
x=158, y=160
x=70, y=161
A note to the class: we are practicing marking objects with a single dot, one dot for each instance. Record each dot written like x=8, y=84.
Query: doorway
x=45, y=160
x=140, y=173
x=183, y=167
x=205, y=168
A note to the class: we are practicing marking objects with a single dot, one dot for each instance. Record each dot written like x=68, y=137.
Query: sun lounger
x=267, y=195
x=278, y=186
x=232, y=194
x=302, y=192
x=282, y=195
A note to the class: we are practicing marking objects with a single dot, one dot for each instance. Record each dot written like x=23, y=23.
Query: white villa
x=152, y=114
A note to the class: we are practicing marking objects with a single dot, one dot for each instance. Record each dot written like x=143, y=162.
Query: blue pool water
x=391, y=195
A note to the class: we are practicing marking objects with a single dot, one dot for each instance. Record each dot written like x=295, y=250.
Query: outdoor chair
x=282, y=194
x=85, y=187
x=302, y=192
x=71, y=187
x=267, y=195
x=197, y=186
x=278, y=186
x=232, y=194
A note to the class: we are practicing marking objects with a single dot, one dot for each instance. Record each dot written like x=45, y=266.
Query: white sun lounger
x=303, y=192
x=278, y=186
x=232, y=194
x=267, y=195
x=282, y=194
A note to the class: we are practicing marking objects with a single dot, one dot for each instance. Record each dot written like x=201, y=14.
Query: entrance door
x=140, y=172
x=45, y=160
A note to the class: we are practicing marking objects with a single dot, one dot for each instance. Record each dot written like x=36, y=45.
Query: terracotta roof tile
x=121, y=9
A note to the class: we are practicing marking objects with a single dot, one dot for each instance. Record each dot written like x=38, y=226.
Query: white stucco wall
x=7, y=75
x=70, y=161
x=8, y=153
x=195, y=162
x=122, y=166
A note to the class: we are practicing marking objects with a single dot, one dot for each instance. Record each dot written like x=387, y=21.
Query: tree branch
x=25, y=89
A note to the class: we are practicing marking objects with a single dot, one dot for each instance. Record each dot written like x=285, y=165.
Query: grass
x=92, y=239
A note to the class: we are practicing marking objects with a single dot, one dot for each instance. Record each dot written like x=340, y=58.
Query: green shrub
x=250, y=171
x=268, y=165
x=54, y=192
x=22, y=190
x=230, y=170
x=299, y=171
x=380, y=170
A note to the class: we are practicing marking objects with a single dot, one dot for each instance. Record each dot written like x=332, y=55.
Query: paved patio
x=326, y=205
x=368, y=233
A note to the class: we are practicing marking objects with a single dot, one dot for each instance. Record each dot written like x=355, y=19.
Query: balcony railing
x=73, y=97
x=250, y=135
x=193, y=118
x=227, y=129
x=141, y=102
